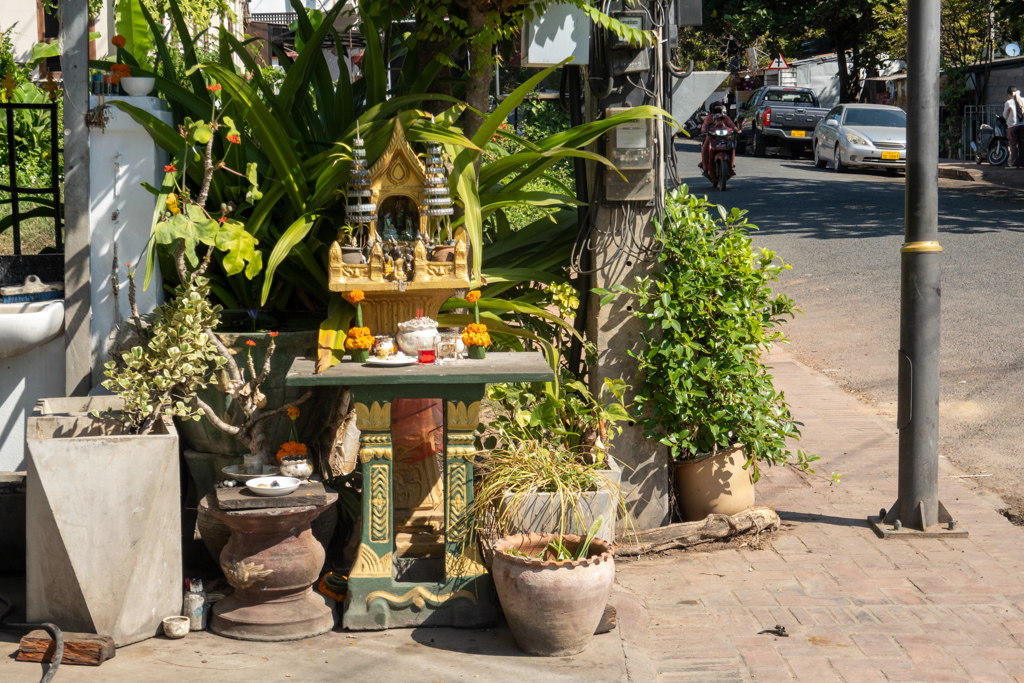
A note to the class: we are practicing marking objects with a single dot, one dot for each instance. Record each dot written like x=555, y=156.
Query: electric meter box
x=634, y=19
x=630, y=148
x=689, y=13
x=562, y=31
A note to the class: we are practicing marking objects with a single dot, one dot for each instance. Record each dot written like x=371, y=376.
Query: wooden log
x=84, y=649
x=712, y=528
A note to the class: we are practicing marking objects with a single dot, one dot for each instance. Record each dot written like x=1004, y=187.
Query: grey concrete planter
x=540, y=512
x=103, y=522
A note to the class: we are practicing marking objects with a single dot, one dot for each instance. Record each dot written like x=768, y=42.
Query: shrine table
x=385, y=591
x=272, y=562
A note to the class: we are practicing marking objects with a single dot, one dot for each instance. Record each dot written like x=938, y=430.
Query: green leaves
x=711, y=313
x=131, y=23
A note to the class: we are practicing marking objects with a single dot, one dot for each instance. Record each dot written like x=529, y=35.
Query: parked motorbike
x=691, y=127
x=723, y=141
x=992, y=144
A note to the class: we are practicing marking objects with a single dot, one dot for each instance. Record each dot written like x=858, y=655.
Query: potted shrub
x=547, y=468
x=553, y=589
x=705, y=391
x=108, y=465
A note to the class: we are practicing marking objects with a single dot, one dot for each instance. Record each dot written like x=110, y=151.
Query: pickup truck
x=779, y=116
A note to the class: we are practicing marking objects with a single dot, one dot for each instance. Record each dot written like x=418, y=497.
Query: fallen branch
x=712, y=528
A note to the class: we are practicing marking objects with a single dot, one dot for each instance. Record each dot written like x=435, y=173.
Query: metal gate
x=17, y=192
x=975, y=115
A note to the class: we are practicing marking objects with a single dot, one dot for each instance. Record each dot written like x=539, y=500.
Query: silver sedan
x=865, y=135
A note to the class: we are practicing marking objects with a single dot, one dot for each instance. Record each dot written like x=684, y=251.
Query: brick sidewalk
x=859, y=609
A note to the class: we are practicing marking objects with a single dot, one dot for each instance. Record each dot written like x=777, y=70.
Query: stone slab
x=500, y=366
x=313, y=493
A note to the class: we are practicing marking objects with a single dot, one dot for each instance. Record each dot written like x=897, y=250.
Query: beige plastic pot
x=552, y=608
x=715, y=485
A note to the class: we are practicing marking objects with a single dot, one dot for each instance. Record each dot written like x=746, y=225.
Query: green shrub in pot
x=711, y=313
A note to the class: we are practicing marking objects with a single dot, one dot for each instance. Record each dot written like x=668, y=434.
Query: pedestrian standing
x=1013, y=112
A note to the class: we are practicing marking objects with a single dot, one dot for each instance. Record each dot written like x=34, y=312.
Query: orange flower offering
x=250, y=343
x=293, y=413
x=291, y=449
x=122, y=70
x=273, y=334
x=119, y=41
x=325, y=589
x=355, y=296
x=475, y=334
x=359, y=338
x=473, y=296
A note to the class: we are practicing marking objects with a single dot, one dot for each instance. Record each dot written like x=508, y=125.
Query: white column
x=122, y=156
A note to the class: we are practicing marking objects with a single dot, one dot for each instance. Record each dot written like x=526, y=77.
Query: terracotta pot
x=552, y=608
x=443, y=253
x=716, y=485
x=352, y=255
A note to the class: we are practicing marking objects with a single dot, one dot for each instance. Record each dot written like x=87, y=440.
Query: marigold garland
x=359, y=338
x=473, y=296
x=475, y=334
x=290, y=449
x=355, y=296
x=326, y=590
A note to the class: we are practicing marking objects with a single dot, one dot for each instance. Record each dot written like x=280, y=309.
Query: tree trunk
x=844, y=74
x=713, y=528
x=478, y=85
x=427, y=48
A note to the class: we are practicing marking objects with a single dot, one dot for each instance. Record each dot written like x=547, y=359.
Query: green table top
x=501, y=366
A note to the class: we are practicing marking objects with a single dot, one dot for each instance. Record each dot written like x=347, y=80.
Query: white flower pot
x=138, y=86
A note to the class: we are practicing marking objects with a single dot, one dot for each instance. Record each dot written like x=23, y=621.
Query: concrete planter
x=541, y=511
x=552, y=608
x=715, y=485
x=103, y=522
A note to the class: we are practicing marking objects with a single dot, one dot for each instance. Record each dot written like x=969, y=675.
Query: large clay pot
x=552, y=608
x=715, y=485
x=201, y=435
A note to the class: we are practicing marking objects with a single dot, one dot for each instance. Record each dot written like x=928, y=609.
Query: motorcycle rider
x=717, y=109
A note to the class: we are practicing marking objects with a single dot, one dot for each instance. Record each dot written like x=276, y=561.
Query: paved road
x=842, y=234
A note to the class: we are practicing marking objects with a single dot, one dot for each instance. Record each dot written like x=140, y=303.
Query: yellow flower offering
x=355, y=296
x=473, y=296
x=359, y=338
x=475, y=334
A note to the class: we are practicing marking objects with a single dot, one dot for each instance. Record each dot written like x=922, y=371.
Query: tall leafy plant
x=711, y=313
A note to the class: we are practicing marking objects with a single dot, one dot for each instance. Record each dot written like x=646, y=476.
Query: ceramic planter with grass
x=552, y=607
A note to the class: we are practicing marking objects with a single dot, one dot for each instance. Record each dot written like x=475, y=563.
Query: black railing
x=16, y=191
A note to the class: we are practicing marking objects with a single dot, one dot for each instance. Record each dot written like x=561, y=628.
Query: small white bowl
x=176, y=627
x=235, y=472
x=138, y=86
x=286, y=486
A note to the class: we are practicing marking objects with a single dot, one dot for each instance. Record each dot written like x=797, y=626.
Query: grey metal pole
x=77, y=288
x=920, y=296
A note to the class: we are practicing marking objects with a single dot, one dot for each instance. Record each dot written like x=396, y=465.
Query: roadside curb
x=633, y=626
x=956, y=173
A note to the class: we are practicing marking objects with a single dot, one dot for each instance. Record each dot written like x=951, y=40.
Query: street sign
x=779, y=63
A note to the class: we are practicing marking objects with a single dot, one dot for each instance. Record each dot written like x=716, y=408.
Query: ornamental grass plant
x=711, y=315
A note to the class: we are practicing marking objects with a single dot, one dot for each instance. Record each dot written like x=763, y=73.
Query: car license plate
x=798, y=133
x=890, y=156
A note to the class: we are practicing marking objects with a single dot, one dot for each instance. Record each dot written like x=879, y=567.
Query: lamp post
x=917, y=511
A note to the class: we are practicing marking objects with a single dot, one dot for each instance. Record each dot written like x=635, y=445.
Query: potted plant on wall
x=705, y=391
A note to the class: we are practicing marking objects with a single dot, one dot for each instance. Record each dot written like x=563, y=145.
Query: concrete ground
x=857, y=609
x=422, y=655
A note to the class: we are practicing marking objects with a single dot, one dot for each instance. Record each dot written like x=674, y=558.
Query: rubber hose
x=52, y=629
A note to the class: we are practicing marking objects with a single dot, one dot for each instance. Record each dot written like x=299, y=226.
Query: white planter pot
x=103, y=521
x=138, y=86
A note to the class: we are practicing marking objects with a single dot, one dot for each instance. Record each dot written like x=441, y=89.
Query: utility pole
x=917, y=511
x=77, y=291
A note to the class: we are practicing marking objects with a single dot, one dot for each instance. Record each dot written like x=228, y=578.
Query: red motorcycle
x=722, y=139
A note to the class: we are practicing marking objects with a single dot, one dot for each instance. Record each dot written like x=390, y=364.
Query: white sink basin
x=26, y=326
